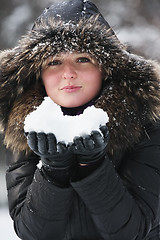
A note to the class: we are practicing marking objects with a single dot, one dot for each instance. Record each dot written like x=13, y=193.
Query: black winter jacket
x=120, y=204
x=120, y=199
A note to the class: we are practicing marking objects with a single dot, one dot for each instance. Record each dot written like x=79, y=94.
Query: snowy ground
x=6, y=226
x=6, y=223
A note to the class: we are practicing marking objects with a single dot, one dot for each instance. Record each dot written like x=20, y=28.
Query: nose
x=69, y=72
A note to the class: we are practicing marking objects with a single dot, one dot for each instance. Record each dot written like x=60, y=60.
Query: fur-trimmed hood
x=131, y=90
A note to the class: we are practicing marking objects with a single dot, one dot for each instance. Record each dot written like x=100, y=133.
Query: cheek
x=48, y=80
x=96, y=81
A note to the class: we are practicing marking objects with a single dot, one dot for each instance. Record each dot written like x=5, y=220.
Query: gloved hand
x=91, y=149
x=57, y=158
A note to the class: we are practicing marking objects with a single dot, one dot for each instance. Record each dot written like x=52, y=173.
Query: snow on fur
x=49, y=118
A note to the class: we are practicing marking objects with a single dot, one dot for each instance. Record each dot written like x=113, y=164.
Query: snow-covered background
x=6, y=226
x=136, y=22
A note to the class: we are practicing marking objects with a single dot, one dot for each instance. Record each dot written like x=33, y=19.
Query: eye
x=54, y=63
x=83, y=60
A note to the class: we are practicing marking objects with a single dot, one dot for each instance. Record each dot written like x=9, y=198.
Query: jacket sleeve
x=39, y=209
x=125, y=204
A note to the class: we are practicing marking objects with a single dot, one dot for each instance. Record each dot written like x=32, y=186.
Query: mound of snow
x=49, y=118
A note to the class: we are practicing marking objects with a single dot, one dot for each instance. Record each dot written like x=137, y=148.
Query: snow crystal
x=84, y=8
x=45, y=10
x=49, y=118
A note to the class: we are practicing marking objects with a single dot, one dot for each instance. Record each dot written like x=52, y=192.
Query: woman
x=95, y=188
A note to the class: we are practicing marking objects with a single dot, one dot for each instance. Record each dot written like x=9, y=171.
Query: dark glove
x=57, y=158
x=91, y=149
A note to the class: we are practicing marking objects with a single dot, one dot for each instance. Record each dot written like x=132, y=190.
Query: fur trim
x=131, y=94
x=131, y=97
x=14, y=134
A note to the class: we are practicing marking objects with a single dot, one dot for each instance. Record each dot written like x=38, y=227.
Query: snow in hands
x=49, y=118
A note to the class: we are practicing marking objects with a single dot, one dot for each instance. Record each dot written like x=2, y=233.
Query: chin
x=70, y=105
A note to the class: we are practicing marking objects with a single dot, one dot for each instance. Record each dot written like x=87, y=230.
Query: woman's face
x=72, y=79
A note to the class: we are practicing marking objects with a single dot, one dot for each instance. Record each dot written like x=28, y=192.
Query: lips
x=71, y=88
